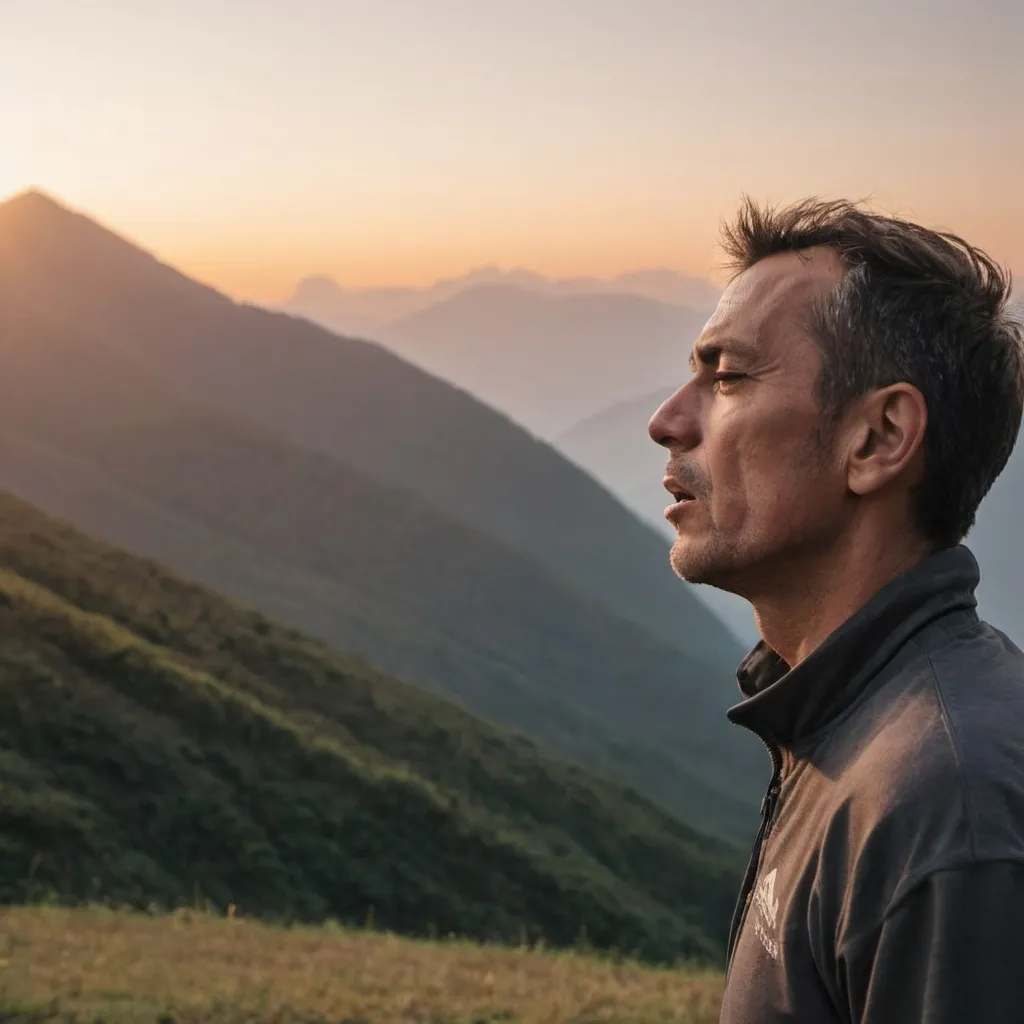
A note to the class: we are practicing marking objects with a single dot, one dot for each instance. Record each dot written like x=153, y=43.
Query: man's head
x=861, y=377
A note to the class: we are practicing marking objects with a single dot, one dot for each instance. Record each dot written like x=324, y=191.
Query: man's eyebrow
x=710, y=352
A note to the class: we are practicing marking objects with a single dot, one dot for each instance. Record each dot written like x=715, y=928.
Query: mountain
x=159, y=415
x=356, y=403
x=548, y=361
x=161, y=745
x=90, y=434
x=366, y=311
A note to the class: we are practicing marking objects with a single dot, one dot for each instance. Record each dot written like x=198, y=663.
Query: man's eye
x=728, y=378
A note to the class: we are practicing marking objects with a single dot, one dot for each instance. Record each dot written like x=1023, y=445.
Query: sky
x=400, y=141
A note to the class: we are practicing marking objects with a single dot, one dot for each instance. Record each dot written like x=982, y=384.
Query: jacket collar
x=784, y=705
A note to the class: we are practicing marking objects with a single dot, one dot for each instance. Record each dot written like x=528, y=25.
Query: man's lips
x=677, y=490
x=682, y=498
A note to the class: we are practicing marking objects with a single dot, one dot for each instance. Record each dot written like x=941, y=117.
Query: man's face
x=759, y=488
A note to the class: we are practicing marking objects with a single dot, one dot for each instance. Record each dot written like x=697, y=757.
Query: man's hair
x=916, y=306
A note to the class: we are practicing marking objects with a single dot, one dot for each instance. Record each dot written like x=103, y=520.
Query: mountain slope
x=90, y=433
x=548, y=360
x=359, y=404
x=160, y=743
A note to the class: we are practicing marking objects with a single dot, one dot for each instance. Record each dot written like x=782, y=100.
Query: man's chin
x=700, y=564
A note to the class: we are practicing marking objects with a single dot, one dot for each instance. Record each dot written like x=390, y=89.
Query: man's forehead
x=774, y=291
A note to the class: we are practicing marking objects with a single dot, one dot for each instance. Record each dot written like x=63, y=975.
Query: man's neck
x=819, y=597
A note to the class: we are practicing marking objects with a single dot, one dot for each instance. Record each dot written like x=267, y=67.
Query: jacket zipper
x=768, y=806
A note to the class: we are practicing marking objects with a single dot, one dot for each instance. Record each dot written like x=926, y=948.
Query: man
x=853, y=397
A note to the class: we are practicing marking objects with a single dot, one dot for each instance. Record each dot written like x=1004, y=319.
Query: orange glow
x=400, y=148
x=262, y=274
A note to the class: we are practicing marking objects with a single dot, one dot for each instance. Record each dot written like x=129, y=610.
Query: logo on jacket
x=766, y=908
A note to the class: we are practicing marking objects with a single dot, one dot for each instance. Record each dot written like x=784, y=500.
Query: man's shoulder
x=935, y=758
x=979, y=676
x=947, y=708
x=979, y=686
x=927, y=775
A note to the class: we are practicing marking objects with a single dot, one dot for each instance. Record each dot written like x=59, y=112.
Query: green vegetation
x=94, y=965
x=160, y=745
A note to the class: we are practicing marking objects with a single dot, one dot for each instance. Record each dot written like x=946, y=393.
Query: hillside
x=160, y=743
x=120, y=968
x=89, y=434
x=360, y=405
x=548, y=360
x=145, y=451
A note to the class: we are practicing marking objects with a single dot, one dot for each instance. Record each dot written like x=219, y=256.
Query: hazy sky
x=396, y=141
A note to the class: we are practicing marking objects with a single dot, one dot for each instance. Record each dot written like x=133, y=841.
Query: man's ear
x=887, y=438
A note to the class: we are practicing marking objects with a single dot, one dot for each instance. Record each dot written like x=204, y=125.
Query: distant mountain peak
x=375, y=312
x=317, y=287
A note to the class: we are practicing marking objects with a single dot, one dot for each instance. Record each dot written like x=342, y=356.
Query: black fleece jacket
x=886, y=885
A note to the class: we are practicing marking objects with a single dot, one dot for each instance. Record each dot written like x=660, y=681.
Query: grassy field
x=100, y=965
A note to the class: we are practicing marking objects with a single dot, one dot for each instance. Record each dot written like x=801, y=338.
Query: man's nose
x=676, y=423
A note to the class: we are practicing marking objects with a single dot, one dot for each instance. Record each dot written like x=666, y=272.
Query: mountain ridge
x=367, y=311
x=164, y=470
x=188, y=497
x=359, y=404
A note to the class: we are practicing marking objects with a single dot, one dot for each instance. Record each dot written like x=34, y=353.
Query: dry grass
x=190, y=967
